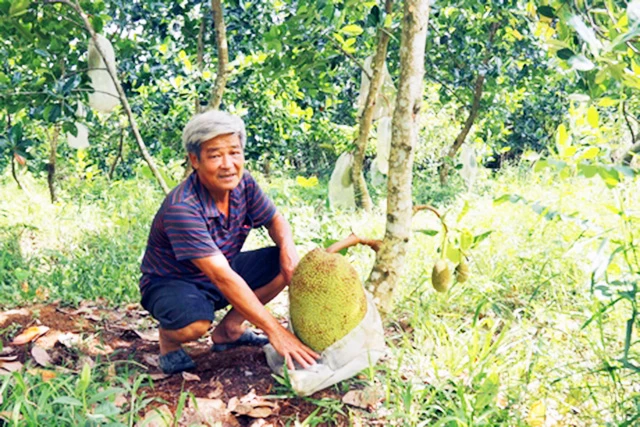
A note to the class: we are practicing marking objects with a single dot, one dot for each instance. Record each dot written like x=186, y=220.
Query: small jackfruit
x=441, y=276
x=326, y=299
x=462, y=272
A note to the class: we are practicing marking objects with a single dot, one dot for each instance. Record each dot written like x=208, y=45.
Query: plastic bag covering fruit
x=105, y=95
x=341, y=196
x=386, y=99
x=384, y=144
x=326, y=299
x=81, y=140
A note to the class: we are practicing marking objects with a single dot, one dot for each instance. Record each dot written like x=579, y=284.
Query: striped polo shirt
x=189, y=226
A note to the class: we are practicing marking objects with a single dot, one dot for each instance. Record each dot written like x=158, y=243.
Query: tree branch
x=223, y=54
x=351, y=57
x=123, y=98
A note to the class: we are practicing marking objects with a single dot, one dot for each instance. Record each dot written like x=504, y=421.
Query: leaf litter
x=53, y=337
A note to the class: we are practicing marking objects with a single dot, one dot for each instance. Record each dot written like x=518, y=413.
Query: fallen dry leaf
x=261, y=423
x=85, y=360
x=151, y=360
x=148, y=335
x=8, y=358
x=69, y=339
x=208, y=412
x=367, y=398
x=159, y=376
x=8, y=367
x=216, y=389
x=8, y=415
x=45, y=374
x=30, y=334
x=157, y=417
x=190, y=377
x=6, y=351
x=260, y=412
x=41, y=356
x=120, y=400
x=49, y=340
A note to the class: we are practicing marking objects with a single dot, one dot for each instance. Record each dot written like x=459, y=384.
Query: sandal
x=175, y=362
x=248, y=337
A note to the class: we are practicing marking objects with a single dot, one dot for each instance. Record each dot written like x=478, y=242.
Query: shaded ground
x=130, y=334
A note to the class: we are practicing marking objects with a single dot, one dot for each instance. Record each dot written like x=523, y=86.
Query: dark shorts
x=176, y=303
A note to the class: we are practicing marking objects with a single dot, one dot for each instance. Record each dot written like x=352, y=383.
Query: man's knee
x=195, y=330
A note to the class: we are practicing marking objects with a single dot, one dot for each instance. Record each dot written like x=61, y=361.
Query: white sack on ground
x=81, y=140
x=105, y=95
x=356, y=351
x=384, y=145
x=386, y=99
x=341, y=193
x=469, y=169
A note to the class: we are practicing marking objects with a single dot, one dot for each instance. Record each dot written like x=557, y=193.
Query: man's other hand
x=292, y=349
x=289, y=260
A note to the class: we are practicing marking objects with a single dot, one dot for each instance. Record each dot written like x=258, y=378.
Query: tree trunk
x=223, y=54
x=633, y=151
x=14, y=173
x=118, y=155
x=123, y=97
x=361, y=193
x=51, y=166
x=473, y=113
x=391, y=257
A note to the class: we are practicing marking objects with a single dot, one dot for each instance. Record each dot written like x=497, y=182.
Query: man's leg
x=184, y=313
x=261, y=270
x=172, y=339
x=231, y=327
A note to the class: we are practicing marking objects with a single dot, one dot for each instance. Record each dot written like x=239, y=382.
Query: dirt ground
x=129, y=334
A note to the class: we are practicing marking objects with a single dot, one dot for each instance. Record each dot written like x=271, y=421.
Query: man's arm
x=280, y=232
x=242, y=298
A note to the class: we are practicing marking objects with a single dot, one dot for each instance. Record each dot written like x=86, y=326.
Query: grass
x=534, y=338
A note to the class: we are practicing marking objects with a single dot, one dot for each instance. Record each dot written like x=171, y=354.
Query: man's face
x=221, y=163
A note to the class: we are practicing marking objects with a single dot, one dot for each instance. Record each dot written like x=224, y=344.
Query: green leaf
x=453, y=254
x=593, y=118
x=428, y=232
x=53, y=113
x=97, y=23
x=480, y=237
x=67, y=400
x=562, y=137
x=589, y=171
x=590, y=153
x=19, y=7
x=352, y=30
x=466, y=240
x=565, y=54
x=547, y=11
x=608, y=102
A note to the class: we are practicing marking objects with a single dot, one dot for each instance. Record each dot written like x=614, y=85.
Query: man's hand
x=280, y=232
x=290, y=347
x=289, y=260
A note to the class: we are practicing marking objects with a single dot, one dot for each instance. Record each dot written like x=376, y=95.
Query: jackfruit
x=462, y=272
x=326, y=299
x=441, y=276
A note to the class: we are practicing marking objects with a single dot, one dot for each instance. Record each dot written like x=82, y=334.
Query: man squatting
x=193, y=266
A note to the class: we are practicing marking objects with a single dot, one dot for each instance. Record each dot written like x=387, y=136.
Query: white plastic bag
x=81, y=140
x=384, y=145
x=386, y=99
x=356, y=351
x=341, y=193
x=469, y=169
x=105, y=95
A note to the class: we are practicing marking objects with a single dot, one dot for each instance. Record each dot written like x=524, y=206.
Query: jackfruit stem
x=353, y=240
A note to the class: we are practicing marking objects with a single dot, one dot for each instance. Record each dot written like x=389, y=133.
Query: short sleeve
x=187, y=232
x=259, y=207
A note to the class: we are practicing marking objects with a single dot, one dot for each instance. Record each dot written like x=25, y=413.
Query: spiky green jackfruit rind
x=326, y=299
x=441, y=276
